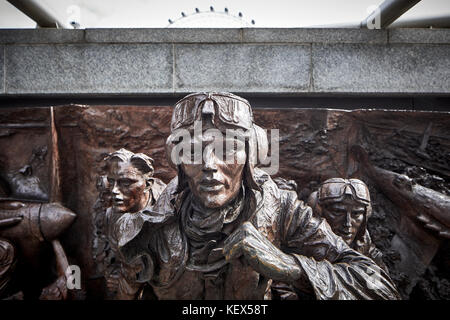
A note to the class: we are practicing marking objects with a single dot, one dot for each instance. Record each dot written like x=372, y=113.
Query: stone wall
x=307, y=62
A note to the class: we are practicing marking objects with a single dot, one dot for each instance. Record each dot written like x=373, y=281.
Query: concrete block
x=76, y=69
x=242, y=68
x=316, y=35
x=134, y=68
x=9, y=36
x=358, y=68
x=168, y=35
x=413, y=35
x=37, y=69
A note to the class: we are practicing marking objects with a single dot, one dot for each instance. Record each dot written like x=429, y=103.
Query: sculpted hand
x=112, y=283
x=261, y=254
x=5, y=218
x=56, y=291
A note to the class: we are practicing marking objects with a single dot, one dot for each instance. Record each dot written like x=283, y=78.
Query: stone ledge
x=50, y=36
x=413, y=35
x=224, y=35
x=317, y=35
x=167, y=35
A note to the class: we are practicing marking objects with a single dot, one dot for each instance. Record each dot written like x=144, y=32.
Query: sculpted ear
x=143, y=163
x=313, y=202
x=169, y=147
x=259, y=146
x=149, y=183
x=368, y=211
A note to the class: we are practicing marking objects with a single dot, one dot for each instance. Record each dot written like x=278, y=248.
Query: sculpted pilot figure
x=223, y=229
x=345, y=204
x=128, y=189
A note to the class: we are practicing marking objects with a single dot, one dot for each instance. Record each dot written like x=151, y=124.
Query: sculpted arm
x=137, y=255
x=331, y=268
x=311, y=257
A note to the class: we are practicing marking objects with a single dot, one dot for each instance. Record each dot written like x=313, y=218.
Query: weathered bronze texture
x=31, y=224
x=315, y=145
x=346, y=205
x=27, y=226
x=227, y=230
x=126, y=191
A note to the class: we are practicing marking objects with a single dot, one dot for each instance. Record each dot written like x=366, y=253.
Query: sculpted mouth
x=118, y=201
x=210, y=185
x=346, y=234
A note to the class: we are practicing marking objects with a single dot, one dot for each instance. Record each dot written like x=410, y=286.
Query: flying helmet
x=227, y=111
x=336, y=189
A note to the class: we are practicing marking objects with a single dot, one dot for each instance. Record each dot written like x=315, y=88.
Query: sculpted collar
x=202, y=224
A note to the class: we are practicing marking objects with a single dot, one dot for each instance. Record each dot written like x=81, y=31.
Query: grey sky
x=155, y=14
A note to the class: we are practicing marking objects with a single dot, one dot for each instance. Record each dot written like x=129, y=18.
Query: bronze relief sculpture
x=224, y=230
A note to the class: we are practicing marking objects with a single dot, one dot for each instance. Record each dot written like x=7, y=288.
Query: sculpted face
x=128, y=187
x=216, y=181
x=345, y=217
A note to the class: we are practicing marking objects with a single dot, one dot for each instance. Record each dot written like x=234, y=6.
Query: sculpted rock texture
x=405, y=142
x=315, y=145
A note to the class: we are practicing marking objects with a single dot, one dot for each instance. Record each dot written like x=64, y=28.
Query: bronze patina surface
x=52, y=162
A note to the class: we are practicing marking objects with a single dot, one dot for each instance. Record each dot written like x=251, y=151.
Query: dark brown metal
x=180, y=243
x=126, y=192
x=421, y=204
x=28, y=224
x=228, y=230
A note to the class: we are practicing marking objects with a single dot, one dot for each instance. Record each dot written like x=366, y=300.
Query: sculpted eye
x=338, y=211
x=333, y=213
x=357, y=213
x=126, y=182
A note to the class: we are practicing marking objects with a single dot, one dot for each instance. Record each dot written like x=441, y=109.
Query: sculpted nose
x=115, y=189
x=209, y=161
x=348, y=220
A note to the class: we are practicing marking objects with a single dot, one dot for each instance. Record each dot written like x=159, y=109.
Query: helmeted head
x=345, y=204
x=129, y=180
x=220, y=146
